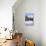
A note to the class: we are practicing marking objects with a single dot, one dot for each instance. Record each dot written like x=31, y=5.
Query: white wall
x=38, y=31
x=43, y=23
x=6, y=13
x=30, y=32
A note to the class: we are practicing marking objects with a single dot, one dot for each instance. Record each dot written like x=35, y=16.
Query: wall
x=29, y=32
x=36, y=32
x=43, y=23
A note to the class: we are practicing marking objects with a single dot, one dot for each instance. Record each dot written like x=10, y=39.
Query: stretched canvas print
x=29, y=19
